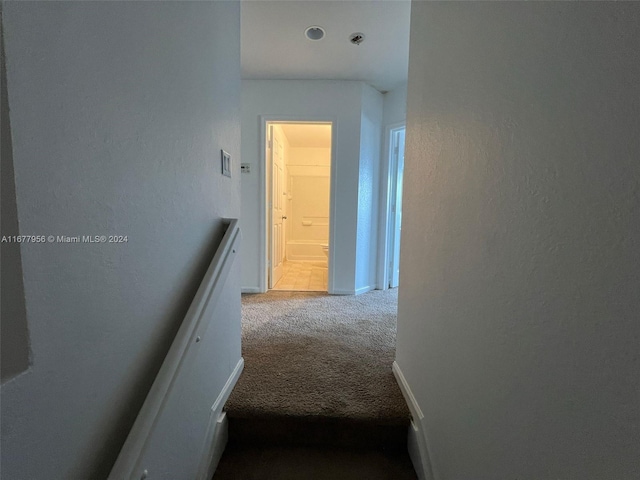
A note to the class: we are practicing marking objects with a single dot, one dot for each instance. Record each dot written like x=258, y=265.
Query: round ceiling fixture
x=357, y=38
x=314, y=32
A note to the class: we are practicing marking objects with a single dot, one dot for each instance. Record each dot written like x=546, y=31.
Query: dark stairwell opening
x=317, y=398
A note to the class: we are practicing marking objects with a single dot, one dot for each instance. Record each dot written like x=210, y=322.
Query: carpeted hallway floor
x=313, y=354
x=317, y=376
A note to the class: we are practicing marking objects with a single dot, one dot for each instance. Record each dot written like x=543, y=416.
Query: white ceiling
x=274, y=45
x=307, y=135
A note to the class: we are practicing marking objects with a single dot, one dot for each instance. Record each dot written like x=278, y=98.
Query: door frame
x=269, y=170
x=394, y=225
x=263, y=217
x=386, y=223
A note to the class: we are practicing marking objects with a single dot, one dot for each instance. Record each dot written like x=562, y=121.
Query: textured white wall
x=368, y=188
x=395, y=106
x=518, y=325
x=118, y=114
x=311, y=100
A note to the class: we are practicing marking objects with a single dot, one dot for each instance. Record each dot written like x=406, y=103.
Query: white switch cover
x=226, y=163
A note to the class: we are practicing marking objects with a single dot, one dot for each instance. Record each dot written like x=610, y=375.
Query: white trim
x=127, y=465
x=357, y=291
x=217, y=432
x=385, y=203
x=217, y=445
x=392, y=212
x=226, y=390
x=343, y=292
x=413, y=447
x=263, y=254
x=366, y=289
x=418, y=443
x=251, y=290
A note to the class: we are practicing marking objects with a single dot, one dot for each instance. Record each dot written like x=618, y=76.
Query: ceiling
x=274, y=45
x=307, y=135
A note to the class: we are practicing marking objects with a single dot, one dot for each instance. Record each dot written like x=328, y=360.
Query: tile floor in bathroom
x=303, y=276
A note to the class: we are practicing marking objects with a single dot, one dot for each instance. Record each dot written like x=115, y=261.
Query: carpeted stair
x=317, y=384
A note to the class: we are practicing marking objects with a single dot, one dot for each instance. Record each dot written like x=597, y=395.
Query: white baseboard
x=417, y=440
x=366, y=289
x=353, y=292
x=251, y=290
x=343, y=292
x=413, y=446
x=217, y=431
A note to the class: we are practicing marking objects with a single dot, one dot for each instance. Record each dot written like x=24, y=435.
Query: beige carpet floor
x=315, y=355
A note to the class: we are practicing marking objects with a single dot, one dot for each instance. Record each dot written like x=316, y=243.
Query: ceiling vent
x=314, y=32
x=357, y=38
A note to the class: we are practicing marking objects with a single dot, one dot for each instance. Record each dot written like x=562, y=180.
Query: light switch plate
x=226, y=163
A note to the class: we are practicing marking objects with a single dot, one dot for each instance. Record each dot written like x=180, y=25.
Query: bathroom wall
x=308, y=187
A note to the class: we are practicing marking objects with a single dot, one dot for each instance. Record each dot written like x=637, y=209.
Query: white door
x=397, y=164
x=276, y=200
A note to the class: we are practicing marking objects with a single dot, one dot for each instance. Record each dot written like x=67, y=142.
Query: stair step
x=317, y=463
x=318, y=432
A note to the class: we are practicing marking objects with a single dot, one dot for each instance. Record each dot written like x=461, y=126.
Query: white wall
x=394, y=113
x=518, y=314
x=395, y=106
x=118, y=114
x=304, y=100
x=308, y=184
x=368, y=189
x=312, y=156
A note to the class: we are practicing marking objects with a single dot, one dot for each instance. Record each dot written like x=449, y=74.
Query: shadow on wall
x=15, y=346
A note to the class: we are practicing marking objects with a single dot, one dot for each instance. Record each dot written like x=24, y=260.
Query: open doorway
x=298, y=158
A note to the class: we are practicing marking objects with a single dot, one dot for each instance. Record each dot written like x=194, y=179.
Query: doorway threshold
x=303, y=276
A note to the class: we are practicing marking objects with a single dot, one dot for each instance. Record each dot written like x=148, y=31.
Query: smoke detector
x=357, y=38
x=314, y=32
